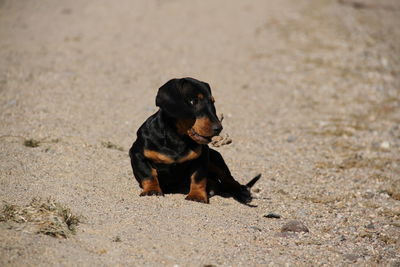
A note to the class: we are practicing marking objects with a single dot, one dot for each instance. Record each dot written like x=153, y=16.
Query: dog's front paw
x=243, y=195
x=152, y=193
x=151, y=188
x=198, y=198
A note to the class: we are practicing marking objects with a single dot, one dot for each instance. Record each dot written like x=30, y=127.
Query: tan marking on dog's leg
x=151, y=186
x=198, y=191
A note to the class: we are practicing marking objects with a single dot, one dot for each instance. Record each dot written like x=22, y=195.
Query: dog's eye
x=193, y=101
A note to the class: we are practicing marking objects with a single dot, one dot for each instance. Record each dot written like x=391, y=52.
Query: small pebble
x=291, y=139
x=384, y=62
x=117, y=239
x=272, y=215
x=256, y=190
x=370, y=226
x=294, y=226
x=385, y=145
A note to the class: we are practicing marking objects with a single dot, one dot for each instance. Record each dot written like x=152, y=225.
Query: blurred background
x=310, y=94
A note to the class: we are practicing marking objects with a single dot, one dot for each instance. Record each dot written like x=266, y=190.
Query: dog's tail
x=253, y=181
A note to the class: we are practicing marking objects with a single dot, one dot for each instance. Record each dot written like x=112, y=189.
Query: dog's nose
x=217, y=128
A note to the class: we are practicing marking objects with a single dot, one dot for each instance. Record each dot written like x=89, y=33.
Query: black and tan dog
x=171, y=153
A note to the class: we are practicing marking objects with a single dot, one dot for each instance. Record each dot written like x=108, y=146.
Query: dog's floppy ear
x=171, y=101
x=208, y=87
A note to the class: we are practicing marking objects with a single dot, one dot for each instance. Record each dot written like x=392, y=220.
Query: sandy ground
x=310, y=94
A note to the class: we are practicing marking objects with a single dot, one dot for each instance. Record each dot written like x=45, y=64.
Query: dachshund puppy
x=171, y=153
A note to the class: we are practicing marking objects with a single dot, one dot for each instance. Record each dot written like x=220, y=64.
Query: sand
x=310, y=95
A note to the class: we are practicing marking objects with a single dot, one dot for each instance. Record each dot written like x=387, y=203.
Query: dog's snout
x=217, y=128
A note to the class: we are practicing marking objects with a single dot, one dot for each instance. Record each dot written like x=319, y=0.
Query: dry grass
x=31, y=143
x=110, y=145
x=44, y=217
x=35, y=143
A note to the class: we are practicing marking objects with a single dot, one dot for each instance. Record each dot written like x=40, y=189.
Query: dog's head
x=191, y=104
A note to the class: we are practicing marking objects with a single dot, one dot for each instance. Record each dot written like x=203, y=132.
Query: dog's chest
x=171, y=157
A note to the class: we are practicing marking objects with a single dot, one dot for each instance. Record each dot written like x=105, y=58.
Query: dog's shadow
x=184, y=189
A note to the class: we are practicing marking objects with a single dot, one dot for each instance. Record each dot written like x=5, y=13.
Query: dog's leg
x=198, y=179
x=145, y=174
x=218, y=168
x=198, y=185
x=150, y=185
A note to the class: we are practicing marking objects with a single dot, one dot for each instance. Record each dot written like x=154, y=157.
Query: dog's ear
x=207, y=86
x=171, y=100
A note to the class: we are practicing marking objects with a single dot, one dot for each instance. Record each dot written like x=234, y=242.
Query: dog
x=171, y=154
